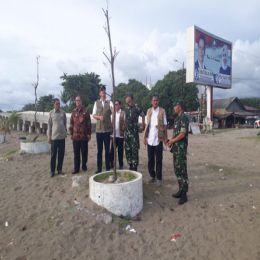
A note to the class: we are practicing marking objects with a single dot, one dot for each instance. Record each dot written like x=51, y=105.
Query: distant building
x=230, y=112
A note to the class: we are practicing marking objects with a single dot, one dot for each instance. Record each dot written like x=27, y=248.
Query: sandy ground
x=220, y=221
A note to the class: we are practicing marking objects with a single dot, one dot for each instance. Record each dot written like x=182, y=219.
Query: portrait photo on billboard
x=212, y=60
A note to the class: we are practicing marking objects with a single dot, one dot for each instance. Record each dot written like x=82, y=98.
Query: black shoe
x=52, y=174
x=183, y=198
x=177, y=195
x=84, y=169
x=75, y=172
x=61, y=173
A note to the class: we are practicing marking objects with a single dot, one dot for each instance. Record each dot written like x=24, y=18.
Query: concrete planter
x=121, y=199
x=2, y=138
x=35, y=147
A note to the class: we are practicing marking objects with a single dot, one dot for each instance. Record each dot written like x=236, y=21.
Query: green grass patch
x=9, y=153
x=126, y=176
x=102, y=177
x=225, y=170
x=224, y=130
x=37, y=141
x=253, y=138
x=124, y=222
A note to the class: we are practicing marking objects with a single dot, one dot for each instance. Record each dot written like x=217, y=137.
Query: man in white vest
x=154, y=135
x=102, y=112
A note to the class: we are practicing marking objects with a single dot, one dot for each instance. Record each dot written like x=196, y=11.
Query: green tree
x=251, y=102
x=139, y=91
x=7, y=123
x=28, y=107
x=172, y=88
x=86, y=85
x=45, y=103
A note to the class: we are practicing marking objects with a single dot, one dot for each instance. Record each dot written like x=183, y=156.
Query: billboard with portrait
x=209, y=59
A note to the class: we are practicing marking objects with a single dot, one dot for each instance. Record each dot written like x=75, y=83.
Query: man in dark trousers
x=102, y=112
x=80, y=130
x=155, y=134
x=57, y=133
x=179, y=145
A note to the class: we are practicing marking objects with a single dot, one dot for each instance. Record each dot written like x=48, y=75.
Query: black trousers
x=120, y=152
x=155, y=156
x=80, y=146
x=103, y=138
x=57, y=147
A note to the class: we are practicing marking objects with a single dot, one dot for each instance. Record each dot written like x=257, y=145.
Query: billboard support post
x=182, y=88
x=210, y=103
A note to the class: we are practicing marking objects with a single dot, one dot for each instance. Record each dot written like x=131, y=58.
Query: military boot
x=183, y=198
x=177, y=194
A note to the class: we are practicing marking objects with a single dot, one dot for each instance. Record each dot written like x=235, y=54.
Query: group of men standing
x=127, y=130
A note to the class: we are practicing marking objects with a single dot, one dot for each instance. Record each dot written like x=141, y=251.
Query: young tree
x=111, y=59
x=35, y=85
x=6, y=124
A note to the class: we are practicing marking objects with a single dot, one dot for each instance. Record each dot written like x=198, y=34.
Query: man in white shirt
x=102, y=111
x=119, y=129
x=154, y=135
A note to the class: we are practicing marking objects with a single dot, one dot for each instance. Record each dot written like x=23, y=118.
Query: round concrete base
x=35, y=147
x=121, y=199
x=2, y=139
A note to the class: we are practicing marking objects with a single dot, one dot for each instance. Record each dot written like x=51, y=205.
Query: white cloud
x=149, y=34
x=246, y=68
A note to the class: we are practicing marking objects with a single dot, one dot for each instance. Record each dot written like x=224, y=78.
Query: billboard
x=209, y=59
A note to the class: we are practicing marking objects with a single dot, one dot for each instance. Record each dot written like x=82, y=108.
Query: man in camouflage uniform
x=179, y=145
x=132, y=113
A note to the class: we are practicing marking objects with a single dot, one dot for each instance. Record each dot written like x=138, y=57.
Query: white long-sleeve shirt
x=153, y=130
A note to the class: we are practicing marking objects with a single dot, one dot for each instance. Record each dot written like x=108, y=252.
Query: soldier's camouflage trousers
x=131, y=151
x=180, y=167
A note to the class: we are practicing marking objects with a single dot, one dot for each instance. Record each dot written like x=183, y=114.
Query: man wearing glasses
x=57, y=133
x=80, y=130
x=119, y=129
x=102, y=112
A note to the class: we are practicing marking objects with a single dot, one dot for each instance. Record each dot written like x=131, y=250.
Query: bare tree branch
x=111, y=60
x=107, y=57
x=35, y=94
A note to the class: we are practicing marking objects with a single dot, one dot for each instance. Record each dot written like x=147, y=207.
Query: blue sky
x=149, y=34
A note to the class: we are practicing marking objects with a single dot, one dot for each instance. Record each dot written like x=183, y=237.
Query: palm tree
x=6, y=124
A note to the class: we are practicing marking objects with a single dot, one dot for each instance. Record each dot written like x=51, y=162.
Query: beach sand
x=45, y=218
